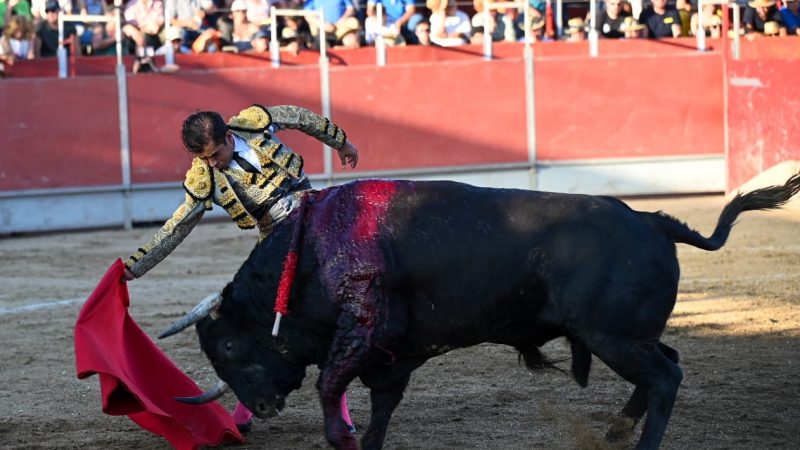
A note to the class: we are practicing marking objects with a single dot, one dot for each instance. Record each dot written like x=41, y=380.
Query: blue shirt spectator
x=791, y=18
x=332, y=10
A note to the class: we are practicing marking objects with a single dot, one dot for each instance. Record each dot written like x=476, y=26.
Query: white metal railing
x=85, y=18
x=380, y=44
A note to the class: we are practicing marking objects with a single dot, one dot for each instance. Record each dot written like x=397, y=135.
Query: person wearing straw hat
x=791, y=17
x=661, y=20
x=757, y=14
x=609, y=19
x=632, y=28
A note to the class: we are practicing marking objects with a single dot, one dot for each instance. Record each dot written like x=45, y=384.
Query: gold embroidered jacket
x=245, y=196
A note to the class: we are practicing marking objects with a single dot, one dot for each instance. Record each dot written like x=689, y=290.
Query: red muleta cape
x=136, y=378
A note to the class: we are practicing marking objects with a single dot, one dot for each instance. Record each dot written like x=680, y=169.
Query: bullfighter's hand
x=128, y=275
x=348, y=155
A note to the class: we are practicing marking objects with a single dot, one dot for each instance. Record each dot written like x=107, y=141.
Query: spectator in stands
x=685, y=10
x=396, y=15
x=16, y=42
x=712, y=21
x=609, y=20
x=258, y=12
x=632, y=28
x=335, y=15
x=757, y=14
x=174, y=37
x=104, y=40
x=295, y=34
x=791, y=18
x=38, y=9
x=348, y=33
x=662, y=21
x=93, y=7
x=502, y=24
x=186, y=16
x=242, y=31
x=144, y=20
x=46, y=41
x=536, y=10
x=9, y=8
x=422, y=33
x=576, y=30
x=449, y=25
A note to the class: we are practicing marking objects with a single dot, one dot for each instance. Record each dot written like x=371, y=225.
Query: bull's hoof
x=245, y=428
x=621, y=429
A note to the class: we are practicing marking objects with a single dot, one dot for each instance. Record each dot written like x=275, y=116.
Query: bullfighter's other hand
x=348, y=154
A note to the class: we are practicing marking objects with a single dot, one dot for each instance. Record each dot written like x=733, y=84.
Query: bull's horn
x=206, y=306
x=212, y=394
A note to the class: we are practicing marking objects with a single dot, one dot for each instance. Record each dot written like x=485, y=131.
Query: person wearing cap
x=173, y=37
x=791, y=17
x=609, y=19
x=660, y=20
x=757, y=14
x=576, y=30
x=241, y=166
x=242, y=31
x=46, y=42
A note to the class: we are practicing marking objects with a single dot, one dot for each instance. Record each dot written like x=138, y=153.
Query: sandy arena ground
x=736, y=325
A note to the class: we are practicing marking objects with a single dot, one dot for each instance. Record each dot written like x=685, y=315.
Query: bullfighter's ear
x=207, y=306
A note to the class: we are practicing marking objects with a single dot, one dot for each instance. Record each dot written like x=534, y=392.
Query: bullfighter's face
x=251, y=363
x=219, y=155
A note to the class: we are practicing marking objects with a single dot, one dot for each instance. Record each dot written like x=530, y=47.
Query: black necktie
x=244, y=164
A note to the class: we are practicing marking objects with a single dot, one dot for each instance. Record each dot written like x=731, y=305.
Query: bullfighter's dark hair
x=203, y=128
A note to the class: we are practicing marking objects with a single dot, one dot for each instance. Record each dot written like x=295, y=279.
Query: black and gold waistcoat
x=245, y=196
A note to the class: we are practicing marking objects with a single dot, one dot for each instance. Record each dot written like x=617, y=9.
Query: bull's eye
x=229, y=347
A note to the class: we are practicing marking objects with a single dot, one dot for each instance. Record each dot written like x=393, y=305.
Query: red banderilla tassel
x=289, y=271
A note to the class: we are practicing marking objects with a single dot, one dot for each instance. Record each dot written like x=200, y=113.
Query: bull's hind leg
x=637, y=405
x=656, y=375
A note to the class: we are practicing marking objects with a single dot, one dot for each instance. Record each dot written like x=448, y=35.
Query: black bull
x=393, y=273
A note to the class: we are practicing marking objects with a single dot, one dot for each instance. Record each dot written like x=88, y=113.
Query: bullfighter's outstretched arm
x=172, y=233
x=312, y=124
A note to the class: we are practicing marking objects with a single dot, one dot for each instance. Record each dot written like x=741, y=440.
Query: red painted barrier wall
x=764, y=124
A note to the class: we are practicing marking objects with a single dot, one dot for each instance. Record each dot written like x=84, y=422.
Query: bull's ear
x=207, y=306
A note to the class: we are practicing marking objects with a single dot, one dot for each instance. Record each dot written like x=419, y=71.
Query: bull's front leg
x=387, y=381
x=345, y=361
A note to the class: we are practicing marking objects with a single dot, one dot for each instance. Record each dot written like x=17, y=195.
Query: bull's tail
x=761, y=199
